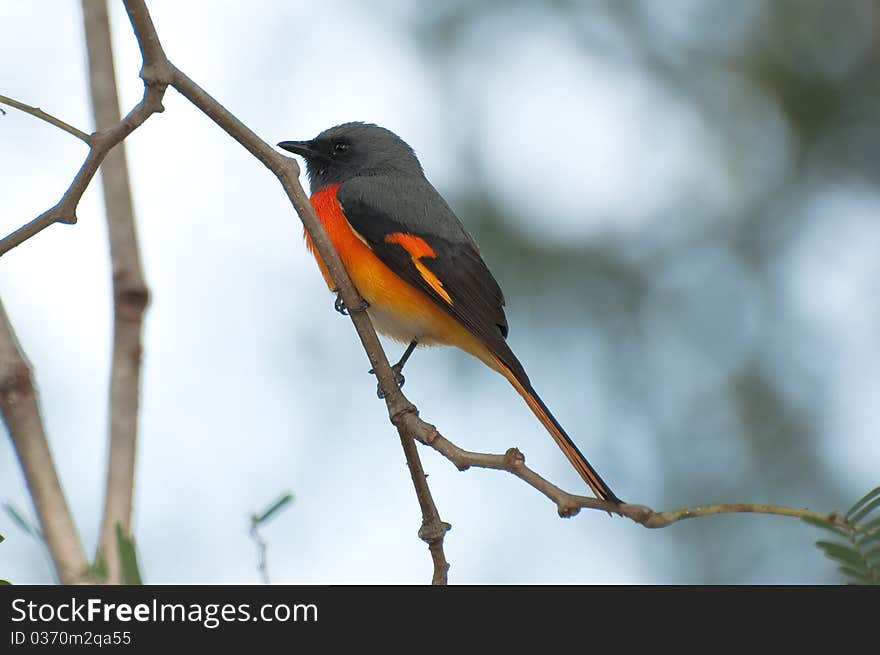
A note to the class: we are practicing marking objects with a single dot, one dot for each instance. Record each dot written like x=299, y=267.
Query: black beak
x=302, y=148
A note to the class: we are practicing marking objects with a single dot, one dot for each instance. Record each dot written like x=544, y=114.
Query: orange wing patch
x=417, y=248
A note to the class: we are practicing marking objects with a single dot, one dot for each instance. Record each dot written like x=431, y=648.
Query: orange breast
x=397, y=309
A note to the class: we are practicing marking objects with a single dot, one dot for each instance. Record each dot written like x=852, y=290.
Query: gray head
x=353, y=150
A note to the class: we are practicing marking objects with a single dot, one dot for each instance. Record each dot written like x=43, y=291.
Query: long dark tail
x=521, y=383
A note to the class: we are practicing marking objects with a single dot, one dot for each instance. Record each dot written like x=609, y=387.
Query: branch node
x=427, y=432
x=433, y=532
x=567, y=506
x=513, y=458
x=291, y=170
x=103, y=140
x=153, y=99
x=399, y=416
x=639, y=514
x=157, y=75
x=131, y=297
x=15, y=380
x=130, y=304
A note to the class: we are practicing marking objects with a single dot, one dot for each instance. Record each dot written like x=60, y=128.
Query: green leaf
x=98, y=569
x=826, y=525
x=872, y=556
x=5, y=582
x=2, y=538
x=127, y=558
x=843, y=554
x=865, y=540
x=272, y=509
x=19, y=519
x=865, y=511
x=864, y=506
x=859, y=577
x=859, y=559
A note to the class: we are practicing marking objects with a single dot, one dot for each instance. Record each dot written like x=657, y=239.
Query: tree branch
x=130, y=293
x=100, y=143
x=287, y=171
x=568, y=504
x=157, y=73
x=130, y=299
x=49, y=118
x=21, y=413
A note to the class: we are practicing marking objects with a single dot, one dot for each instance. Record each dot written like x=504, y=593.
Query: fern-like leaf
x=857, y=547
x=865, y=506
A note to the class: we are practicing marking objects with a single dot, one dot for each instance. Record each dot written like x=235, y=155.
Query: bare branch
x=262, y=564
x=568, y=504
x=49, y=118
x=101, y=143
x=287, y=171
x=663, y=519
x=130, y=293
x=21, y=413
x=433, y=530
x=157, y=73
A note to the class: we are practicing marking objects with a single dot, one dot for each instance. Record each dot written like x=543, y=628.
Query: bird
x=418, y=269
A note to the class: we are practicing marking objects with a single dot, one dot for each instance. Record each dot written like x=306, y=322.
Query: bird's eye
x=340, y=147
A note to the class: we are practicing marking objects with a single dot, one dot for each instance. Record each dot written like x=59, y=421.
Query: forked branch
x=568, y=504
x=42, y=115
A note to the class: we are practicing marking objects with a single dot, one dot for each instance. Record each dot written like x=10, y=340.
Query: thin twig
x=262, y=546
x=433, y=530
x=262, y=564
x=49, y=118
x=663, y=519
x=21, y=413
x=101, y=143
x=568, y=504
x=130, y=293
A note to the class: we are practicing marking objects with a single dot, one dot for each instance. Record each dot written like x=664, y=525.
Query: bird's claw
x=342, y=308
x=398, y=378
x=339, y=305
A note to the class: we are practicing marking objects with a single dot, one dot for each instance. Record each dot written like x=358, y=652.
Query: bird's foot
x=398, y=378
x=342, y=308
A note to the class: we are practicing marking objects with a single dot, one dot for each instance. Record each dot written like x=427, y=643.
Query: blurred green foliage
x=856, y=547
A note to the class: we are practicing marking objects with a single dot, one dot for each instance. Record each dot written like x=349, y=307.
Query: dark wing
x=397, y=217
